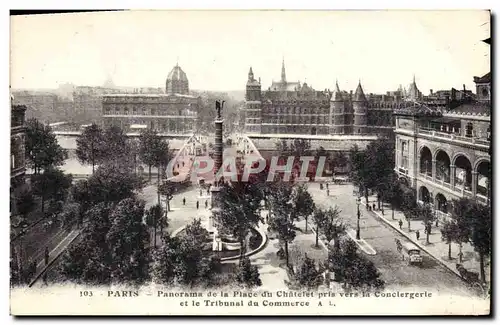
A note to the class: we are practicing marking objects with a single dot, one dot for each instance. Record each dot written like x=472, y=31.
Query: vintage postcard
x=251, y=163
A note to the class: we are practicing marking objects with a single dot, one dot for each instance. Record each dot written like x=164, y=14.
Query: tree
x=303, y=203
x=425, y=213
x=196, y=233
x=392, y=193
x=153, y=216
x=89, y=146
x=116, y=148
x=51, y=184
x=307, y=274
x=282, y=148
x=161, y=158
x=359, y=171
x=42, y=149
x=25, y=203
x=109, y=183
x=248, y=274
x=239, y=210
x=380, y=159
x=166, y=189
x=448, y=233
x=408, y=204
x=127, y=239
x=89, y=260
x=70, y=214
x=461, y=213
x=300, y=147
x=319, y=217
x=134, y=146
x=282, y=221
x=333, y=227
x=354, y=270
x=164, y=260
x=339, y=159
x=481, y=233
x=147, y=147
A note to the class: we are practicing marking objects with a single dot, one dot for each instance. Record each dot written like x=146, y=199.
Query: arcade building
x=443, y=151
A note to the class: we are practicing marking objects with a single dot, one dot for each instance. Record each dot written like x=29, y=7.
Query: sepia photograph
x=251, y=162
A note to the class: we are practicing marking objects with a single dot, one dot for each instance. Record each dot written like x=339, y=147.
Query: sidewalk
x=437, y=248
x=54, y=254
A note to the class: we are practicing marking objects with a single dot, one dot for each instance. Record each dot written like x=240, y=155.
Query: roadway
x=396, y=272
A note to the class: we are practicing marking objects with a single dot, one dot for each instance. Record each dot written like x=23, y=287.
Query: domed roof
x=177, y=74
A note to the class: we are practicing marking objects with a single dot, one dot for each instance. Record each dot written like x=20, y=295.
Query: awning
x=138, y=126
x=446, y=120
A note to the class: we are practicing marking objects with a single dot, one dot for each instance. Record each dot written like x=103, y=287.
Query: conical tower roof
x=359, y=95
x=337, y=94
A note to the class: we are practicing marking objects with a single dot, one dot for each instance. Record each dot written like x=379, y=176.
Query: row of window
x=173, y=126
x=295, y=110
x=292, y=119
x=152, y=111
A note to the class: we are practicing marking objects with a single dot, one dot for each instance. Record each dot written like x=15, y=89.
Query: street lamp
x=358, y=202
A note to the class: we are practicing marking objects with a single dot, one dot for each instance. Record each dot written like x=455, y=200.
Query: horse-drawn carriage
x=471, y=278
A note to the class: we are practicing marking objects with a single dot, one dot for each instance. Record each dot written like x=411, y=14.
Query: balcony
x=453, y=136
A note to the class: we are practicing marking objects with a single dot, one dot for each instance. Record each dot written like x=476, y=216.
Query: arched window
x=468, y=130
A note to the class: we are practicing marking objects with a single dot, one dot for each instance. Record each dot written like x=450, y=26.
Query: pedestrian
x=320, y=186
x=184, y=201
x=46, y=255
x=400, y=224
x=197, y=205
x=417, y=234
x=326, y=185
x=460, y=256
x=328, y=192
x=429, y=228
x=374, y=207
x=182, y=164
x=206, y=204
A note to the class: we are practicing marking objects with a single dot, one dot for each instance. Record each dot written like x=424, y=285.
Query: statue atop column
x=219, y=105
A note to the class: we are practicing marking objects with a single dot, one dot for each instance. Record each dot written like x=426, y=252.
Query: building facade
x=17, y=152
x=295, y=108
x=443, y=151
x=172, y=112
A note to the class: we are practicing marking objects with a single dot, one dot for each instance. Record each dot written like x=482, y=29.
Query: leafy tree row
x=470, y=223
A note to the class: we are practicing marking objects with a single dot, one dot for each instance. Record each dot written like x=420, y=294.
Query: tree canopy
x=42, y=149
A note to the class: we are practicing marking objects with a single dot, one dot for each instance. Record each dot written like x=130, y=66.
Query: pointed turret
x=359, y=95
x=283, y=73
x=337, y=94
x=359, y=107
x=413, y=92
x=250, y=75
x=337, y=111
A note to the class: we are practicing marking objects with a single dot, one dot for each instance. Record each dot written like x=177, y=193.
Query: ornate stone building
x=443, y=150
x=173, y=112
x=295, y=108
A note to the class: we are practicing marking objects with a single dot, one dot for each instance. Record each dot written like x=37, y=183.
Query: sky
x=382, y=49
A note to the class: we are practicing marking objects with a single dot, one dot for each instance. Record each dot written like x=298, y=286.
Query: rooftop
x=149, y=95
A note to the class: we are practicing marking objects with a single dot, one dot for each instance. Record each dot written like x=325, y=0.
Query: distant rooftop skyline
x=383, y=49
